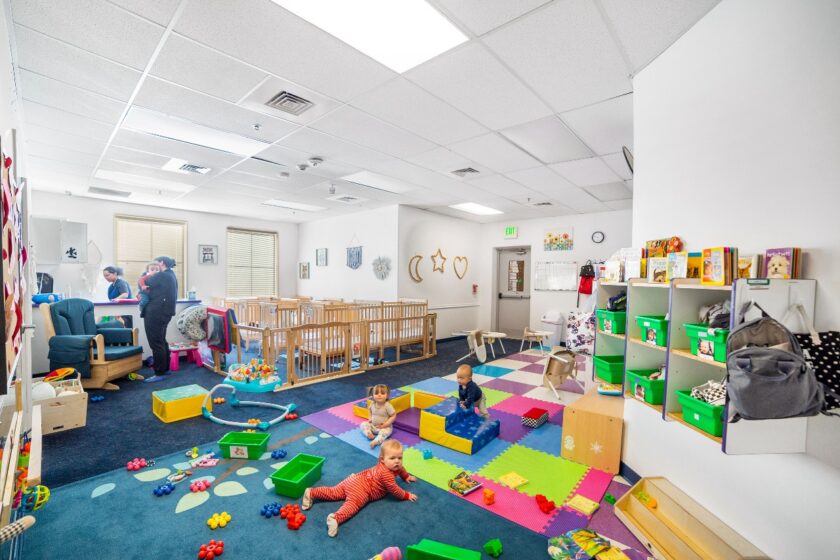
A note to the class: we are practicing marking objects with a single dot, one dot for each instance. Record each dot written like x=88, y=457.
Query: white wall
x=374, y=230
x=737, y=131
x=202, y=228
x=616, y=228
x=423, y=233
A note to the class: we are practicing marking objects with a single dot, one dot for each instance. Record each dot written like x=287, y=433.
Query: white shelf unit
x=607, y=344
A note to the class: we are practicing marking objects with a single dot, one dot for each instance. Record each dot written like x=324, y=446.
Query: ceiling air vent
x=545, y=203
x=346, y=199
x=192, y=168
x=289, y=103
x=465, y=171
x=108, y=192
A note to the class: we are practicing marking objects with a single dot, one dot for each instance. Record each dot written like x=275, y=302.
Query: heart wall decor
x=460, y=265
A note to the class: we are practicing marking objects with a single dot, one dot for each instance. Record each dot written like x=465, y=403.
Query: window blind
x=251, y=263
x=138, y=240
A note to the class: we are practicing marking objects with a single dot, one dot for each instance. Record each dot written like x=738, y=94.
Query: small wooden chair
x=476, y=344
x=560, y=367
x=531, y=336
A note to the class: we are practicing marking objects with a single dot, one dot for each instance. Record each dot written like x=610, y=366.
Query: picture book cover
x=677, y=266
x=657, y=247
x=657, y=270
x=463, y=483
x=714, y=266
x=750, y=267
x=695, y=265
x=634, y=268
x=613, y=271
x=780, y=263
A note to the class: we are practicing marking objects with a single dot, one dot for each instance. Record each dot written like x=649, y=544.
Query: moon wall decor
x=413, y=265
x=463, y=264
x=438, y=267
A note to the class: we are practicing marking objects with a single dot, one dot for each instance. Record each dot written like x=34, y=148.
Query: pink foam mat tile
x=510, y=504
x=519, y=405
x=328, y=422
x=594, y=484
x=345, y=412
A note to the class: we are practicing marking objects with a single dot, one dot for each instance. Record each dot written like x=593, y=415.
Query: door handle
x=500, y=295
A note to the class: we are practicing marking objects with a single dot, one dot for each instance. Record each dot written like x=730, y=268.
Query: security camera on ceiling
x=315, y=162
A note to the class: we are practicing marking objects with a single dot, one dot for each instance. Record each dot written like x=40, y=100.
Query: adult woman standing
x=163, y=293
x=119, y=288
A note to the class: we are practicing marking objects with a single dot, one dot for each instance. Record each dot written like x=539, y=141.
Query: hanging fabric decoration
x=354, y=257
x=381, y=267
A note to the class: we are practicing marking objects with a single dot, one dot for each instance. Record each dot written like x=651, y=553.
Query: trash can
x=553, y=321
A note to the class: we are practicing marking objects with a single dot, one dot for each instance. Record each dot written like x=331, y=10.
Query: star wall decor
x=438, y=267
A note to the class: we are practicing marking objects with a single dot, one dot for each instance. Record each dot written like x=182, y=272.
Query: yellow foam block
x=360, y=411
x=401, y=403
x=431, y=423
x=433, y=428
x=425, y=400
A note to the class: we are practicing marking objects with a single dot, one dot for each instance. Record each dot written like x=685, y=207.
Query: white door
x=513, y=300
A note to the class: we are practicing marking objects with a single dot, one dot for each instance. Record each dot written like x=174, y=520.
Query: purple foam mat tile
x=328, y=422
x=605, y=522
x=566, y=520
x=406, y=438
x=408, y=420
x=530, y=358
x=510, y=426
x=570, y=387
x=534, y=368
x=509, y=386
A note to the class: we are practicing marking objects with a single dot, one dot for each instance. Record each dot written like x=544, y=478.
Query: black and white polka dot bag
x=822, y=352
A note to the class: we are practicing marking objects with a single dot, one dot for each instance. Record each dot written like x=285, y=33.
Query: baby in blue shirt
x=469, y=393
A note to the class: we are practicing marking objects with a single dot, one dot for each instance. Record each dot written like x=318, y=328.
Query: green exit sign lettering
x=511, y=232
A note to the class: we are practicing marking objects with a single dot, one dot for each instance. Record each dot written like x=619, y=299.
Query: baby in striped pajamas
x=367, y=486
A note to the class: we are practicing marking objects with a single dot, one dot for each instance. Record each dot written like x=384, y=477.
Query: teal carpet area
x=115, y=515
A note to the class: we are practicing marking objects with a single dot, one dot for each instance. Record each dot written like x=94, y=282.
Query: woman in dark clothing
x=119, y=288
x=163, y=293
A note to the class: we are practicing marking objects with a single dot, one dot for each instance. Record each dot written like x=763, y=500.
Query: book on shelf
x=463, y=483
x=750, y=267
x=719, y=266
x=695, y=265
x=613, y=271
x=634, y=268
x=783, y=262
x=657, y=270
x=657, y=247
x=677, y=266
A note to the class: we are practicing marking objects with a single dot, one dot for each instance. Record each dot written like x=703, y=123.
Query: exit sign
x=511, y=232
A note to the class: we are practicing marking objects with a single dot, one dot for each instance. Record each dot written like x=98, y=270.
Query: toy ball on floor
x=199, y=486
x=36, y=498
x=278, y=454
x=211, y=550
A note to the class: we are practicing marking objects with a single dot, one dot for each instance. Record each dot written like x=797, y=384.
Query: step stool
x=193, y=355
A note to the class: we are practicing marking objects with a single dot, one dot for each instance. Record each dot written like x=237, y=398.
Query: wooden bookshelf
x=677, y=416
x=685, y=353
x=640, y=342
x=656, y=407
x=621, y=336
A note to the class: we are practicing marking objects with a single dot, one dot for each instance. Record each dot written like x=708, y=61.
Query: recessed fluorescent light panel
x=474, y=208
x=158, y=124
x=142, y=181
x=379, y=182
x=400, y=34
x=293, y=205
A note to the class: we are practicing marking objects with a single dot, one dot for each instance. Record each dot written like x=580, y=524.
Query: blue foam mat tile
x=491, y=371
x=546, y=438
x=436, y=386
x=357, y=439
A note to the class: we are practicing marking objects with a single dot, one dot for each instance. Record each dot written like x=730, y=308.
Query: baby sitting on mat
x=381, y=416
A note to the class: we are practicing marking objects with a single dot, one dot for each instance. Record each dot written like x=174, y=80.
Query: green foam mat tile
x=494, y=396
x=434, y=471
x=554, y=477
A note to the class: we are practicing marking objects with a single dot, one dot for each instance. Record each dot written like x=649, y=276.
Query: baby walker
x=253, y=377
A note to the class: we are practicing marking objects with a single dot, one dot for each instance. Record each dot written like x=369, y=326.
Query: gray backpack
x=767, y=374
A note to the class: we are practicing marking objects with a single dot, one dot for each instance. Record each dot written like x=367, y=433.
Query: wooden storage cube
x=64, y=412
x=679, y=528
x=592, y=429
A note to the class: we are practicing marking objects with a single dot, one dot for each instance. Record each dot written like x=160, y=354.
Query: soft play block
x=179, y=403
x=448, y=425
x=428, y=549
x=535, y=417
x=425, y=400
x=400, y=400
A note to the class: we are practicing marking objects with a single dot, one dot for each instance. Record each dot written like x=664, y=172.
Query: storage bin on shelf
x=609, y=368
x=297, y=475
x=654, y=329
x=706, y=343
x=612, y=322
x=243, y=445
x=702, y=415
x=644, y=388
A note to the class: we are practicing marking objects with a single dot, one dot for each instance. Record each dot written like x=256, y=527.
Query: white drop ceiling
x=538, y=101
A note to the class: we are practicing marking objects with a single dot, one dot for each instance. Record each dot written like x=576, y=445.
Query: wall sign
x=511, y=232
x=354, y=257
x=208, y=254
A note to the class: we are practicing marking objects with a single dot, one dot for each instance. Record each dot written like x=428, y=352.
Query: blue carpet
x=130, y=522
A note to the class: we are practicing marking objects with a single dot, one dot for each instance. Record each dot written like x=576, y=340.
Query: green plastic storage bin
x=243, y=445
x=654, y=329
x=713, y=341
x=612, y=322
x=648, y=390
x=610, y=368
x=297, y=475
x=707, y=417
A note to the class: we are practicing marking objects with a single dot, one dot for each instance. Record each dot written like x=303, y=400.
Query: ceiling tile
x=48, y=57
x=646, y=29
x=65, y=155
x=541, y=179
x=136, y=157
x=579, y=200
x=480, y=16
x=472, y=80
x=617, y=163
x=609, y=191
x=445, y=160
x=605, y=126
x=620, y=204
x=586, y=172
x=93, y=25
x=494, y=152
x=78, y=169
x=159, y=11
x=548, y=139
x=566, y=53
x=168, y=148
x=329, y=147
x=328, y=169
x=43, y=179
x=50, y=137
x=150, y=173
x=52, y=93
x=48, y=117
x=269, y=37
x=416, y=175
x=406, y=105
x=202, y=109
x=500, y=185
x=189, y=64
x=356, y=126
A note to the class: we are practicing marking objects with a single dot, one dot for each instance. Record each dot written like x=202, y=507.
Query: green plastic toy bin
x=612, y=322
x=713, y=346
x=243, y=445
x=610, y=368
x=643, y=388
x=702, y=415
x=297, y=475
x=654, y=329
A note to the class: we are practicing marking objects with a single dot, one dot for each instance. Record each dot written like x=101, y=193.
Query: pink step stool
x=193, y=355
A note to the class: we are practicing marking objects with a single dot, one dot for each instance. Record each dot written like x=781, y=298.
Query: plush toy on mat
x=390, y=553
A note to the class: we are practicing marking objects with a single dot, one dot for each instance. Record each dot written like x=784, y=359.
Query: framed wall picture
x=321, y=257
x=303, y=271
x=208, y=254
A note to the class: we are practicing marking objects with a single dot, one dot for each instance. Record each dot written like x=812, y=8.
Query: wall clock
x=598, y=237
